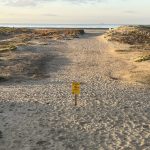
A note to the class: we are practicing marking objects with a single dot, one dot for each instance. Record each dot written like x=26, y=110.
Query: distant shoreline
x=65, y=26
x=32, y=28
x=62, y=26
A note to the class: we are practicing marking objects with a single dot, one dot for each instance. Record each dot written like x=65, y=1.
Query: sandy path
x=111, y=114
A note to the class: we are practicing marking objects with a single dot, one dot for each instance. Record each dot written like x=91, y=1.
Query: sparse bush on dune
x=27, y=34
x=30, y=69
x=59, y=33
x=137, y=36
x=11, y=31
x=24, y=37
x=143, y=58
x=21, y=36
x=73, y=31
x=130, y=34
x=4, y=48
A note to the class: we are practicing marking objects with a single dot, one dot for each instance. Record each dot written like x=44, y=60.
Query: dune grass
x=42, y=32
x=123, y=50
x=58, y=33
x=27, y=34
x=130, y=34
x=143, y=58
x=10, y=31
x=46, y=32
x=11, y=38
x=5, y=48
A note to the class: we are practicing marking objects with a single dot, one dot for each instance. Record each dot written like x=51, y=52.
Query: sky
x=75, y=11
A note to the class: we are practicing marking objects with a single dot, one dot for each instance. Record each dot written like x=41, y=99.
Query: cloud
x=84, y=1
x=50, y=15
x=36, y=2
x=129, y=12
x=22, y=2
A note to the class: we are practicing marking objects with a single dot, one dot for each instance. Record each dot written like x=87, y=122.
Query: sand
x=136, y=51
x=112, y=114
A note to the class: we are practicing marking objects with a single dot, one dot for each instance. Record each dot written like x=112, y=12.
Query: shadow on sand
x=31, y=63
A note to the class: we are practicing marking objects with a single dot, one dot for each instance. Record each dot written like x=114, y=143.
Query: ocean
x=85, y=26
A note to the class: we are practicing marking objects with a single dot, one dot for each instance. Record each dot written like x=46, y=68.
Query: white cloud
x=130, y=12
x=21, y=2
x=35, y=2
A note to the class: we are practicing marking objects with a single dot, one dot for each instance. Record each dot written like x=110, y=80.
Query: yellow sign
x=76, y=88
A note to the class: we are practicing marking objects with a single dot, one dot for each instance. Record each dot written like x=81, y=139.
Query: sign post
x=76, y=91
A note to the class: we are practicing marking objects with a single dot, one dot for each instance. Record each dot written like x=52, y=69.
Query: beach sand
x=38, y=113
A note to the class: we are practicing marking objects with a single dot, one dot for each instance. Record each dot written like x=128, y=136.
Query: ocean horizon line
x=31, y=25
x=82, y=26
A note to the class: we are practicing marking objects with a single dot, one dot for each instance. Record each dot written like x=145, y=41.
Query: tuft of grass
x=59, y=33
x=130, y=34
x=12, y=47
x=123, y=50
x=5, y=48
x=25, y=35
x=10, y=31
x=143, y=58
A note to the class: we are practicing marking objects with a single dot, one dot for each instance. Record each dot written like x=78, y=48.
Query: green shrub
x=143, y=58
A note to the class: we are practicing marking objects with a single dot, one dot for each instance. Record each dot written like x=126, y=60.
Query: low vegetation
x=143, y=58
x=6, y=31
x=123, y=50
x=5, y=48
x=59, y=33
x=137, y=36
x=130, y=34
x=27, y=64
x=27, y=34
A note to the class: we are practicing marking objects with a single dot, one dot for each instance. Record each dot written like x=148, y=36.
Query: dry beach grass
x=18, y=57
